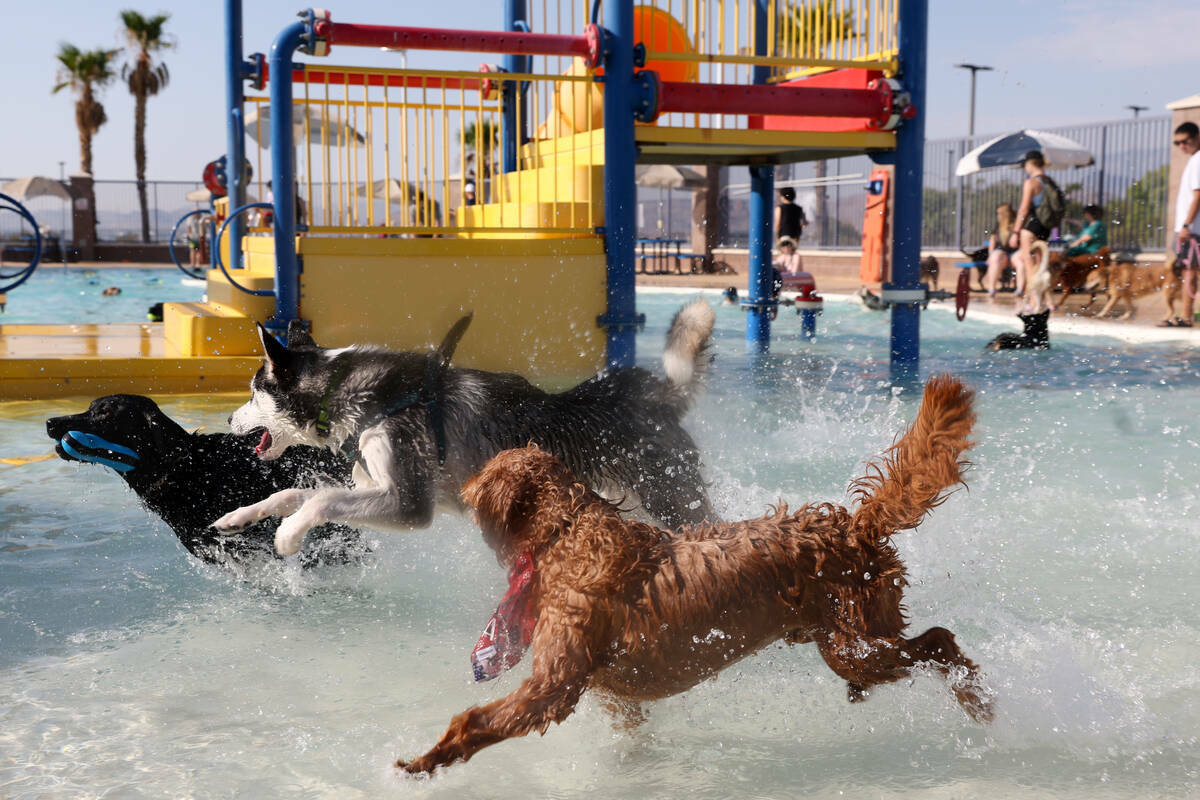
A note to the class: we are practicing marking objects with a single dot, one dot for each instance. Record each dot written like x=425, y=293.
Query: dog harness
x=92, y=448
x=509, y=631
x=427, y=396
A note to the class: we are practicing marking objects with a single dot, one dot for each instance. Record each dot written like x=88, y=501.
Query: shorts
x=1037, y=229
x=193, y=244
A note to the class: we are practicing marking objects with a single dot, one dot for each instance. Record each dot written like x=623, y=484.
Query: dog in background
x=1036, y=335
x=637, y=613
x=417, y=428
x=930, y=269
x=1126, y=280
x=188, y=478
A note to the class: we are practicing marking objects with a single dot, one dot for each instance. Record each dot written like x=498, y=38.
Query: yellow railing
x=393, y=152
x=712, y=41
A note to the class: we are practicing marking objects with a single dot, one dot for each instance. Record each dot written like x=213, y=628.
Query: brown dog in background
x=1069, y=273
x=1125, y=280
x=637, y=613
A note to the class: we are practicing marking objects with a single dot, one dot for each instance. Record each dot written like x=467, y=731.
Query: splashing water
x=1066, y=569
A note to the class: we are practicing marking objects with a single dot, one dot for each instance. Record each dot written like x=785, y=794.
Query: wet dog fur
x=418, y=428
x=188, y=478
x=635, y=613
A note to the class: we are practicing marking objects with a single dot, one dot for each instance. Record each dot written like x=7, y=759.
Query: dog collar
x=323, y=413
x=93, y=449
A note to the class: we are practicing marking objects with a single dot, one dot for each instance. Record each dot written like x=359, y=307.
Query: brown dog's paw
x=416, y=767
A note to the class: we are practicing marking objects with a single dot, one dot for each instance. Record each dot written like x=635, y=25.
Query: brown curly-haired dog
x=639, y=613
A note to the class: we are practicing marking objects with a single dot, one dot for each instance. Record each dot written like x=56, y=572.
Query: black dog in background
x=1036, y=335
x=190, y=479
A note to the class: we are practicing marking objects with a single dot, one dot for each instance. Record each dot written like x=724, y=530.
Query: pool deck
x=1070, y=319
x=41, y=361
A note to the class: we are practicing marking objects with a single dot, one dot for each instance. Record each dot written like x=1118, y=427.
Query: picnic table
x=658, y=256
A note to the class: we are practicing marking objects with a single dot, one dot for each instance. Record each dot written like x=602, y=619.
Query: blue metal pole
x=283, y=179
x=235, y=140
x=758, y=309
x=515, y=18
x=808, y=324
x=907, y=191
x=620, y=198
x=762, y=189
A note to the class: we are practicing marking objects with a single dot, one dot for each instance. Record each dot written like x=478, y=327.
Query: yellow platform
x=41, y=361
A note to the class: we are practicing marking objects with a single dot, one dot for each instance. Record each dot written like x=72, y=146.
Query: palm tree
x=145, y=78
x=84, y=72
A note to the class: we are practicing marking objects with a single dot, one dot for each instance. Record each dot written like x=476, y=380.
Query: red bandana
x=507, y=634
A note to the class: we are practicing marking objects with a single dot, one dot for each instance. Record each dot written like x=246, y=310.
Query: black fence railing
x=1129, y=180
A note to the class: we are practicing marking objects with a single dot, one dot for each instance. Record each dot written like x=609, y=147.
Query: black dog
x=1035, y=337
x=188, y=479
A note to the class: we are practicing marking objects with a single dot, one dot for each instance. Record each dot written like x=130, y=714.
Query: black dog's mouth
x=90, y=448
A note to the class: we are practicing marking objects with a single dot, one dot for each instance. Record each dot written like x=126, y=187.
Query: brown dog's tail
x=912, y=477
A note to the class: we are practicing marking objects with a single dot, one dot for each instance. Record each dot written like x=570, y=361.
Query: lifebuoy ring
x=963, y=296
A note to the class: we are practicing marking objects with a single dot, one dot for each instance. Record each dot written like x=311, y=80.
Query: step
x=209, y=329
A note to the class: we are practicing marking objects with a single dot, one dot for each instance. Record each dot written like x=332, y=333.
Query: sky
x=1056, y=63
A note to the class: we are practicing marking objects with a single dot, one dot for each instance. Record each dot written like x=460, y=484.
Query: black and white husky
x=417, y=428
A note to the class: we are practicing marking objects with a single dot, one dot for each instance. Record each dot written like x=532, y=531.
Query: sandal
x=1178, y=322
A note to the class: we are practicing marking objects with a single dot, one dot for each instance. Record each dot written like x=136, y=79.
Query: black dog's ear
x=277, y=357
x=449, y=344
x=298, y=336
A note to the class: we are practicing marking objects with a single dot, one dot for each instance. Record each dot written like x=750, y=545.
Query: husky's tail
x=1039, y=282
x=687, y=356
x=912, y=477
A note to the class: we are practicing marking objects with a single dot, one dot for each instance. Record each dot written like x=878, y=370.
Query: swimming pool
x=55, y=295
x=1067, y=570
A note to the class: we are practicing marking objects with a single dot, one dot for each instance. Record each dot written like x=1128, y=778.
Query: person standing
x=1187, y=220
x=1040, y=212
x=790, y=222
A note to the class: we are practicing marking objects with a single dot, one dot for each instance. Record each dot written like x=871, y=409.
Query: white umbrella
x=1010, y=150
x=205, y=196
x=666, y=176
x=335, y=130
x=36, y=186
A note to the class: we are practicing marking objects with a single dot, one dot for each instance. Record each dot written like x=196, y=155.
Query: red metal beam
x=788, y=101
x=511, y=42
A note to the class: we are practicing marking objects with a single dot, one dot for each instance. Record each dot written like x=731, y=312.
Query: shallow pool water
x=55, y=295
x=1067, y=569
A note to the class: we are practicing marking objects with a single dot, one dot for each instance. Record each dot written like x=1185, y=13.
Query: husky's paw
x=289, y=536
x=238, y=519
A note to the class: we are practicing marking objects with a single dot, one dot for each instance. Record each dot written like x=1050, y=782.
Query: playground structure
x=373, y=239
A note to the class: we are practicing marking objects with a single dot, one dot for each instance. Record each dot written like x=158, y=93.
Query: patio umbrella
x=259, y=117
x=1009, y=150
x=205, y=196
x=35, y=186
x=666, y=176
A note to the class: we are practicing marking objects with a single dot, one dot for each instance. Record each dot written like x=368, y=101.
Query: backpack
x=1053, y=206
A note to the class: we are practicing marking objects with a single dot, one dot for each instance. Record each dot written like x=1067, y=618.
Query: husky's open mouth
x=264, y=444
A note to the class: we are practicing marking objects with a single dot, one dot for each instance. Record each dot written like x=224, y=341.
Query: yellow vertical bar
x=387, y=156
x=308, y=170
x=369, y=146
x=404, y=151
x=462, y=153
x=445, y=114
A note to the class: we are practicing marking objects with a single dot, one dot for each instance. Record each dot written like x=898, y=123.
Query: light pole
x=974, y=68
x=1137, y=110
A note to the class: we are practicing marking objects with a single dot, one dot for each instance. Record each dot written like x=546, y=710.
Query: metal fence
x=1129, y=180
x=118, y=214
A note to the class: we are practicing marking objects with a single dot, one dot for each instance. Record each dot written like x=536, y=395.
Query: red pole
x=788, y=101
x=512, y=42
x=335, y=77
